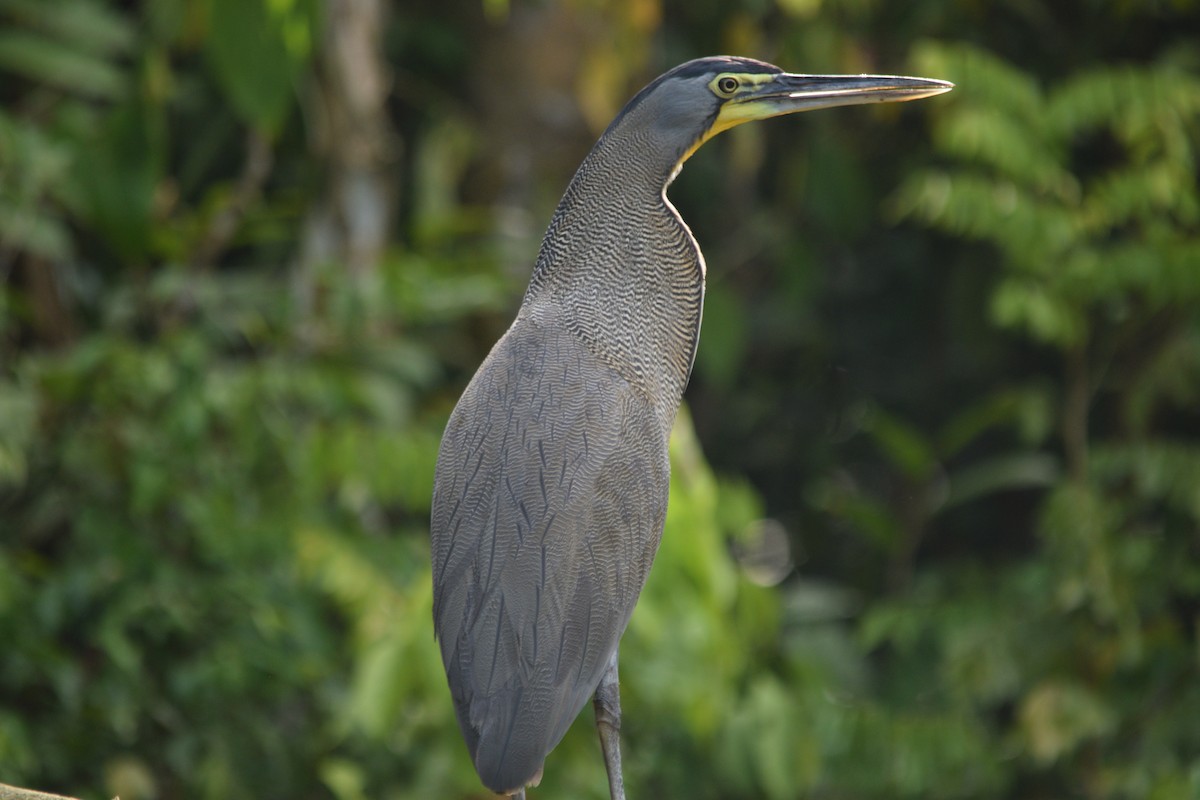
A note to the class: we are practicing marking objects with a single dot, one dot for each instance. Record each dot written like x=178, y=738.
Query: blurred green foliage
x=952, y=351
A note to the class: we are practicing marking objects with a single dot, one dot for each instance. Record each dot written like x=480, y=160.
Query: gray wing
x=548, y=506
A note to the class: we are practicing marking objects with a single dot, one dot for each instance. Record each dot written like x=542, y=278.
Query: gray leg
x=608, y=723
x=519, y=795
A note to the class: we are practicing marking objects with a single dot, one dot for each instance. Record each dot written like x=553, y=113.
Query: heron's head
x=697, y=100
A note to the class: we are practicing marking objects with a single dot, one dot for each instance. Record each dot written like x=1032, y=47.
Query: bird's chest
x=642, y=320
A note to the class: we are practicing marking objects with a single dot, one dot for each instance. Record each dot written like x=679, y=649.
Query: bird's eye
x=727, y=85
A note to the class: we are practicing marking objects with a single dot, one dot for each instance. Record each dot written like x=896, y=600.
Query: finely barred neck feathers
x=616, y=256
x=618, y=266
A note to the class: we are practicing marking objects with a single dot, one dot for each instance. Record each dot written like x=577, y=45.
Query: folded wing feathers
x=542, y=534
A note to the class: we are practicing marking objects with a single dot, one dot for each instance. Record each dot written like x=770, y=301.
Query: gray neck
x=620, y=269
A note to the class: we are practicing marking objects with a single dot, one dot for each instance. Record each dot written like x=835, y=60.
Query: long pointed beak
x=788, y=93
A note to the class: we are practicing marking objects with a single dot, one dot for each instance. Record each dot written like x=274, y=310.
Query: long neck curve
x=619, y=268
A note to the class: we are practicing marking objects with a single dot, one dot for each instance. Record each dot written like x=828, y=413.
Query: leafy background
x=935, y=518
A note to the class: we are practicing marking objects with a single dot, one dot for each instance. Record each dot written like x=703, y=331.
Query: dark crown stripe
x=694, y=69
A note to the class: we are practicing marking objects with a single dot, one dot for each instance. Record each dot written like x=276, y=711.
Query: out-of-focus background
x=935, y=518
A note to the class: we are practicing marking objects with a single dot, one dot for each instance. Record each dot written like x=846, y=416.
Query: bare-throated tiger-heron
x=551, y=485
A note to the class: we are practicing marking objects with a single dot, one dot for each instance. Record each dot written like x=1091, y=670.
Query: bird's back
x=549, y=501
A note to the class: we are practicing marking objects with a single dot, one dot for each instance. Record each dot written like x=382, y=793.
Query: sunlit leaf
x=1127, y=98
x=1139, y=193
x=1057, y=717
x=966, y=203
x=1039, y=311
x=981, y=78
x=993, y=136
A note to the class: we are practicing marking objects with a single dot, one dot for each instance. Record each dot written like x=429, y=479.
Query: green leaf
x=1141, y=192
x=1003, y=473
x=1136, y=101
x=58, y=64
x=1005, y=407
x=994, y=137
x=118, y=173
x=256, y=48
x=905, y=447
x=1032, y=230
x=84, y=25
x=843, y=499
x=1169, y=471
x=1038, y=311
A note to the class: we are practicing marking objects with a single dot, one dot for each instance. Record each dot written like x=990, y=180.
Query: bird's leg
x=518, y=795
x=608, y=723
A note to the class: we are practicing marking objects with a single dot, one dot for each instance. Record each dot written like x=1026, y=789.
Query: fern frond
x=1038, y=309
x=1161, y=270
x=997, y=139
x=1134, y=102
x=982, y=79
x=1031, y=230
x=1141, y=193
x=56, y=63
x=84, y=25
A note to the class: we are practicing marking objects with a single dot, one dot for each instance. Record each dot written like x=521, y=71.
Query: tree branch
x=16, y=793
